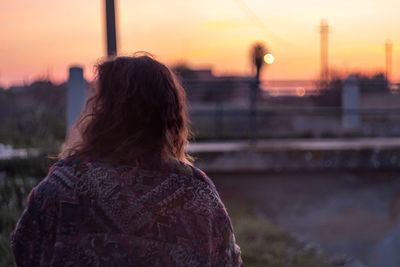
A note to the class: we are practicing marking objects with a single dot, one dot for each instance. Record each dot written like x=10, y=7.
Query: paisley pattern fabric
x=98, y=214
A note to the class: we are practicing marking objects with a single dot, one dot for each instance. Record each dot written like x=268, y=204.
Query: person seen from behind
x=124, y=192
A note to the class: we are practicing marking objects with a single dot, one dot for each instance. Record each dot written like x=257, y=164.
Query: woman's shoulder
x=59, y=177
x=197, y=179
x=191, y=171
x=199, y=176
x=64, y=173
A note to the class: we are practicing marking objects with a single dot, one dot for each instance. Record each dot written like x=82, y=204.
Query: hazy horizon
x=42, y=38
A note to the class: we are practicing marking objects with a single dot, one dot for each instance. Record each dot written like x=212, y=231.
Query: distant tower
x=110, y=28
x=388, y=49
x=324, y=30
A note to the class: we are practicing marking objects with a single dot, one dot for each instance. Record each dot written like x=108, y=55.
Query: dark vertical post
x=219, y=113
x=351, y=104
x=258, y=52
x=76, y=95
x=111, y=29
x=255, y=87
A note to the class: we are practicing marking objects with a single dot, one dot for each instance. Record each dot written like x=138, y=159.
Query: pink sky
x=44, y=37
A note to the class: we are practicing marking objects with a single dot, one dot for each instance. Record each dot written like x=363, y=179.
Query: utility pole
x=388, y=50
x=110, y=28
x=324, y=30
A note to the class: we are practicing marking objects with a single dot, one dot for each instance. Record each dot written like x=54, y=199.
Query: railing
x=293, y=122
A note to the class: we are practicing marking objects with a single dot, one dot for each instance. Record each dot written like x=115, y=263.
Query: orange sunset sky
x=44, y=37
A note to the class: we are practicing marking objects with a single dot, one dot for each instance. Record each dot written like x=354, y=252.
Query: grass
x=265, y=244
x=13, y=192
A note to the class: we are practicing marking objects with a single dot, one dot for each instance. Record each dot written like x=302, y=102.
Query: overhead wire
x=259, y=22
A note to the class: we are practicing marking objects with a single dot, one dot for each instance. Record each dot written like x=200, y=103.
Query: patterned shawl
x=99, y=214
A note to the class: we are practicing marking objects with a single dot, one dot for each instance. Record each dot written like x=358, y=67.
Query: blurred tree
x=33, y=115
x=258, y=51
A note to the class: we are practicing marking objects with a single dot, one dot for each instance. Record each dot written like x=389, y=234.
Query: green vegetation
x=13, y=192
x=33, y=128
x=33, y=115
x=17, y=178
x=265, y=244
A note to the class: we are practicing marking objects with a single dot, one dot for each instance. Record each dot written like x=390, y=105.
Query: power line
x=259, y=22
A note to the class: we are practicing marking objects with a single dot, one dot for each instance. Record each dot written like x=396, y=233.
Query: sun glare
x=269, y=59
x=300, y=91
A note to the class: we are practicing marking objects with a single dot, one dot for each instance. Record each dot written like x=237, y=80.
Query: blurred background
x=294, y=106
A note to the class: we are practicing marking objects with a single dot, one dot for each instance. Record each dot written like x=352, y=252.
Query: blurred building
x=202, y=86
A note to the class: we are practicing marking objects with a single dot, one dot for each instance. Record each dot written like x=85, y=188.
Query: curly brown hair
x=138, y=109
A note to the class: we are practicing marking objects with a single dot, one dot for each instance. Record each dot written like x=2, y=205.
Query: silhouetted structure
x=203, y=87
x=388, y=50
x=324, y=30
x=351, y=103
x=257, y=54
x=76, y=95
x=111, y=29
